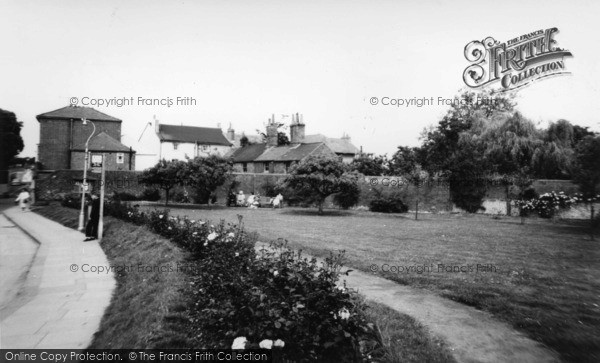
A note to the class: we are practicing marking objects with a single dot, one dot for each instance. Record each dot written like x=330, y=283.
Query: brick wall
x=54, y=185
x=55, y=139
x=78, y=159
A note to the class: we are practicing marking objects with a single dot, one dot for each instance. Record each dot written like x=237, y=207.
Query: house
x=341, y=147
x=182, y=142
x=63, y=136
x=269, y=157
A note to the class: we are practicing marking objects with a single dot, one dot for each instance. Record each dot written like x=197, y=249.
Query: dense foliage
x=202, y=174
x=317, y=177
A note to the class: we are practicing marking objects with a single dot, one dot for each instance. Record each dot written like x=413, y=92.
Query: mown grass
x=546, y=280
x=151, y=309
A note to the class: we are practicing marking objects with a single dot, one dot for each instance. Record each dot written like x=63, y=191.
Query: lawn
x=543, y=278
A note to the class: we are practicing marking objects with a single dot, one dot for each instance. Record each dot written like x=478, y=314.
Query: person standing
x=23, y=200
x=91, y=229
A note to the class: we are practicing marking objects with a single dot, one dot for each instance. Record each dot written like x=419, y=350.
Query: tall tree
x=370, y=165
x=11, y=142
x=317, y=177
x=587, y=166
x=440, y=142
x=404, y=161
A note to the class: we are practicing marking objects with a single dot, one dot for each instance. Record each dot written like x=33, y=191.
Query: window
x=287, y=166
x=245, y=167
x=175, y=145
x=120, y=158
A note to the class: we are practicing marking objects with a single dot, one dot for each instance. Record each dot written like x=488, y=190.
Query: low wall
x=53, y=185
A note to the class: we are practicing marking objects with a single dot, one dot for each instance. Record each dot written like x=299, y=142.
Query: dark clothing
x=91, y=230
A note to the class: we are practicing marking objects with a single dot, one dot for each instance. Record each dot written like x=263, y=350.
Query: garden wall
x=55, y=184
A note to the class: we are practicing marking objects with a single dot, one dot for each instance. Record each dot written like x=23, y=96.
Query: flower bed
x=548, y=205
x=270, y=299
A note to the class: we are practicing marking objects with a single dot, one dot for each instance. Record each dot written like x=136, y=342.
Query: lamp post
x=84, y=185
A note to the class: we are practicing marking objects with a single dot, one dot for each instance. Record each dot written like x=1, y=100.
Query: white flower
x=279, y=343
x=275, y=273
x=239, y=343
x=237, y=254
x=205, y=243
x=231, y=234
x=160, y=216
x=212, y=236
x=193, y=221
x=195, y=233
x=344, y=314
x=201, y=222
x=170, y=228
x=266, y=344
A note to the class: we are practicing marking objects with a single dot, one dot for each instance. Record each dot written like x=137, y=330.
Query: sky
x=242, y=61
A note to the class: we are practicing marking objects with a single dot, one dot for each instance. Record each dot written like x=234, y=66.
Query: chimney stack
x=346, y=137
x=297, y=129
x=230, y=133
x=272, y=132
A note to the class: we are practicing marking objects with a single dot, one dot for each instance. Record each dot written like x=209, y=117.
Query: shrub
x=389, y=204
x=125, y=196
x=181, y=196
x=150, y=194
x=72, y=200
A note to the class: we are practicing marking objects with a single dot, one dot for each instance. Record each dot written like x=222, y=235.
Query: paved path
x=17, y=252
x=55, y=307
x=472, y=335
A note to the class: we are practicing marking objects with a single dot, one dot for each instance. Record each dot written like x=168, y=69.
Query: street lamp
x=83, y=187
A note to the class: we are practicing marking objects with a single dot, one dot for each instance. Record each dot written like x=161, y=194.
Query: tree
x=370, y=165
x=404, y=161
x=206, y=174
x=244, y=141
x=282, y=138
x=11, y=142
x=165, y=175
x=317, y=177
x=587, y=166
x=468, y=169
x=440, y=142
x=554, y=159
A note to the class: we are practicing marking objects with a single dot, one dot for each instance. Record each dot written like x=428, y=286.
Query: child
x=23, y=200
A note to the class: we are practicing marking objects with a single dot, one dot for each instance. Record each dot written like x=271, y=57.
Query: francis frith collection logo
x=515, y=63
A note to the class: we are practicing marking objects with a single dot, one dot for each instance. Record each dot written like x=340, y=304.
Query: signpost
x=102, y=179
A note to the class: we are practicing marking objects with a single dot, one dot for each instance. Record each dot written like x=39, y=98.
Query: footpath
x=471, y=335
x=55, y=304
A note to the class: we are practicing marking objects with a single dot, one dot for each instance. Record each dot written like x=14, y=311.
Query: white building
x=181, y=142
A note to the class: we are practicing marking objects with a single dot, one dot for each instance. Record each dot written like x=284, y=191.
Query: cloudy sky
x=245, y=60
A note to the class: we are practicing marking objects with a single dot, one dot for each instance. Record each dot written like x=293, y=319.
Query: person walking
x=23, y=200
x=91, y=229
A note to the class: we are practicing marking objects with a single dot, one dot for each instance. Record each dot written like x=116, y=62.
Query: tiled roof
x=338, y=146
x=103, y=142
x=77, y=112
x=260, y=152
x=192, y=134
x=301, y=151
x=248, y=153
